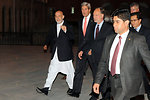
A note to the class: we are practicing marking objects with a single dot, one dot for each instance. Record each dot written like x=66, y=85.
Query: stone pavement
x=23, y=68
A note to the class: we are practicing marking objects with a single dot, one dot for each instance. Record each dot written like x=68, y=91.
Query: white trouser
x=56, y=66
x=54, y=70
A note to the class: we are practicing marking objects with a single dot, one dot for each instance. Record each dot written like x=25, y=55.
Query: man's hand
x=64, y=28
x=80, y=54
x=90, y=52
x=45, y=47
x=96, y=88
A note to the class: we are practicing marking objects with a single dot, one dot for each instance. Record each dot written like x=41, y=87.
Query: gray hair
x=86, y=4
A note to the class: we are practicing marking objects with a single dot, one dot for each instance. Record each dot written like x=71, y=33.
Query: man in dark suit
x=142, y=30
x=60, y=39
x=136, y=20
x=122, y=55
x=85, y=37
x=101, y=30
x=135, y=7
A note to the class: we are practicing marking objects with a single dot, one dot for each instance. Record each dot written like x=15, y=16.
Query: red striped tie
x=114, y=59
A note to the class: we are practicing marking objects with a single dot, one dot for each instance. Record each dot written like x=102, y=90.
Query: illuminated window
x=72, y=10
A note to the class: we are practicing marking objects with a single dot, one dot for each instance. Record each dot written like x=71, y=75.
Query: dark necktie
x=97, y=30
x=114, y=59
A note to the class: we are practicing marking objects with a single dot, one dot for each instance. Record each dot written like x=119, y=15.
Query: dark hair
x=134, y=4
x=122, y=14
x=102, y=10
x=138, y=14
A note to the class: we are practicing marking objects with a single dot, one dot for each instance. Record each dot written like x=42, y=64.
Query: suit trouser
x=104, y=88
x=146, y=80
x=116, y=88
x=79, y=72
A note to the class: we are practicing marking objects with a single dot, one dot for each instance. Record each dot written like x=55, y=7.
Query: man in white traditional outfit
x=60, y=39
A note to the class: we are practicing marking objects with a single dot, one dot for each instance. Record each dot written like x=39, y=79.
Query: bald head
x=59, y=12
x=59, y=16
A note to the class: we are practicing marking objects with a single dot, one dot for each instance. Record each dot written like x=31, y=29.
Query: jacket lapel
x=60, y=29
x=55, y=30
x=101, y=33
x=110, y=41
x=129, y=40
x=88, y=25
x=141, y=30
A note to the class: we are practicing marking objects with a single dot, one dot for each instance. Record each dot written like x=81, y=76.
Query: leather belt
x=116, y=76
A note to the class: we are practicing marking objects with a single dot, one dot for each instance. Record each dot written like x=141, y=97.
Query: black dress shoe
x=69, y=91
x=102, y=99
x=91, y=94
x=74, y=94
x=42, y=90
x=93, y=98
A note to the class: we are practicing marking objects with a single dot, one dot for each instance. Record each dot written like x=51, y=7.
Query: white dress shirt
x=138, y=28
x=113, y=47
x=100, y=25
x=59, y=27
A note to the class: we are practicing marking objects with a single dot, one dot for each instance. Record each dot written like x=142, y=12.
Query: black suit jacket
x=63, y=42
x=97, y=44
x=97, y=47
x=144, y=31
x=85, y=40
x=135, y=49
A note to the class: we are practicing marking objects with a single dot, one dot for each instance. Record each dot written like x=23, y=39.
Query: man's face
x=135, y=22
x=119, y=25
x=98, y=16
x=85, y=11
x=59, y=17
x=134, y=9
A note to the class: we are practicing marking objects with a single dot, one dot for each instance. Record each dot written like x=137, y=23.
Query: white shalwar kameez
x=56, y=66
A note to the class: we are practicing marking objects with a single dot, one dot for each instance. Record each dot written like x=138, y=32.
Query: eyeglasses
x=134, y=20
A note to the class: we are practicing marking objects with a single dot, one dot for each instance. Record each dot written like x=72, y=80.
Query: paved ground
x=23, y=68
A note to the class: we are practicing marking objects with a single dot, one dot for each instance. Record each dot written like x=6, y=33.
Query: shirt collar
x=88, y=16
x=138, y=28
x=124, y=35
x=100, y=24
x=61, y=23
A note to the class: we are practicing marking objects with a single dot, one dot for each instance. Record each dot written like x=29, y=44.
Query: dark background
x=27, y=22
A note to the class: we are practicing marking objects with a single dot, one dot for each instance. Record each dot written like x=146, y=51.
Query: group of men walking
x=114, y=53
